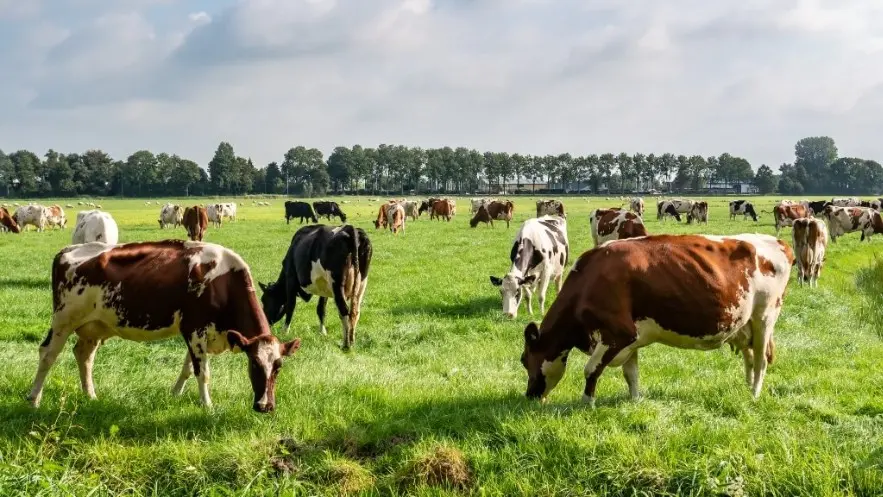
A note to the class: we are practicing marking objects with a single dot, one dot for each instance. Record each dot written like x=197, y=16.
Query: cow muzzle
x=263, y=408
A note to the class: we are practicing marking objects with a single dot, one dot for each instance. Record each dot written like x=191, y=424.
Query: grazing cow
x=427, y=204
x=785, y=215
x=615, y=224
x=441, y=209
x=538, y=255
x=411, y=209
x=501, y=211
x=843, y=220
x=171, y=215
x=810, y=237
x=628, y=294
x=478, y=202
x=149, y=291
x=328, y=209
x=7, y=222
x=195, y=222
x=743, y=207
x=699, y=212
x=665, y=208
x=637, y=206
x=215, y=214
x=817, y=207
x=872, y=224
x=56, y=217
x=329, y=262
x=846, y=202
x=395, y=217
x=36, y=215
x=550, y=207
x=95, y=226
x=297, y=209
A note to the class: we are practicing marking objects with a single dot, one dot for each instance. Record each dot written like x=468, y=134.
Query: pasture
x=430, y=401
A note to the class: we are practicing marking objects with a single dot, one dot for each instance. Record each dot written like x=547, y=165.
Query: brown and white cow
x=500, y=211
x=699, y=212
x=637, y=206
x=7, y=222
x=550, y=207
x=785, y=215
x=149, y=291
x=615, y=224
x=441, y=209
x=843, y=220
x=56, y=217
x=846, y=202
x=628, y=294
x=394, y=217
x=810, y=237
x=195, y=222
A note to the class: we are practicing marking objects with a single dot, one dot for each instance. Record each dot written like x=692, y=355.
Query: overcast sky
x=749, y=77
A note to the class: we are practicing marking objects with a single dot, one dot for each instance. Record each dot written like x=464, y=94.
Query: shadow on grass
x=869, y=281
x=476, y=307
x=38, y=284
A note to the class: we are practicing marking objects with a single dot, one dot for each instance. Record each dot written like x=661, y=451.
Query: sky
x=748, y=77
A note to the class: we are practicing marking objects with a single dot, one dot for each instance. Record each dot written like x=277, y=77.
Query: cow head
x=273, y=301
x=749, y=209
x=510, y=289
x=542, y=373
x=342, y=216
x=265, y=354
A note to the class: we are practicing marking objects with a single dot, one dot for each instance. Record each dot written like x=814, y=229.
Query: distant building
x=745, y=187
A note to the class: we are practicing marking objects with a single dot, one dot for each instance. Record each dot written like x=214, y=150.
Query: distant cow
x=329, y=209
x=301, y=210
x=872, y=224
x=501, y=211
x=329, y=262
x=637, y=206
x=698, y=212
x=426, y=205
x=666, y=208
x=95, y=226
x=846, y=202
x=784, y=215
x=155, y=290
x=539, y=254
x=395, y=217
x=411, y=209
x=35, y=215
x=215, y=214
x=810, y=237
x=441, y=209
x=615, y=224
x=843, y=220
x=476, y=203
x=171, y=215
x=227, y=210
x=195, y=222
x=743, y=207
x=56, y=216
x=687, y=291
x=7, y=222
x=817, y=207
x=550, y=207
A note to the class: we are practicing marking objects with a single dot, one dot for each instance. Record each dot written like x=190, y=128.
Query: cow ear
x=531, y=333
x=527, y=279
x=496, y=281
x=263, y=286
x=289, y=348
x=236, y=340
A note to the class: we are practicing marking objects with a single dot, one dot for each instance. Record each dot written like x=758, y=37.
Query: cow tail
x=354, y=251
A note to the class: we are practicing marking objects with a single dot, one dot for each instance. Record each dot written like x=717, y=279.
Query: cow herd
x=628, y=292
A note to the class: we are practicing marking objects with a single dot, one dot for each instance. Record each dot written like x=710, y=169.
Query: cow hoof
x=322, y=330
x=589, y=401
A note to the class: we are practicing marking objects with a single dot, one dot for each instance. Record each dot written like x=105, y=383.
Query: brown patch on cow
x=766, y=266
x=8, y=221
x=495, y=210
x=441, y=209
x=195, y=221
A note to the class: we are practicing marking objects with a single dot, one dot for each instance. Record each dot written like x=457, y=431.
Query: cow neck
x=250, y=320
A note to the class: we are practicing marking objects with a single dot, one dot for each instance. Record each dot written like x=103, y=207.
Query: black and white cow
x=331, y=262
x=743, y=207
x=539, y=254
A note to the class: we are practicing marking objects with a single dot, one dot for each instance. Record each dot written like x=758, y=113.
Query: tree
x=341, y=168
x=99, y=167
x=765, y=181
x=25, y=164
x=273, y=178
x=7, y=172
x=222, y=168
x=61, y=176
x=815, y=155
x=185, y=175
x=139, y=174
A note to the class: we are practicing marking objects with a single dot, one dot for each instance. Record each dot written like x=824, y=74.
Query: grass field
x=430, y=402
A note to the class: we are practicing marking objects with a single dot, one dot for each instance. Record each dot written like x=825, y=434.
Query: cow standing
x=784, y=215
x=301, y=210
x=215, y=214
x=637, y=206
x=7, y=222
x=95, y=226
x=32, y=214
x=846, y=202
x=665, y=208
x=501, y=211
x=817, y=207
x=55, y=216
x=476, y=203
x=441, y=209
x=395, y=217
x=615, y=224
x=843, y=220
x=539, y=254
x=628, y=294
x=743, y=207
x=171, y=215
x=331, y=263
x=551, y=208
x=412, y=209
x=155, y=290
x=698, y=212
x=810, y=237
x=328, y=209
x=195, y=222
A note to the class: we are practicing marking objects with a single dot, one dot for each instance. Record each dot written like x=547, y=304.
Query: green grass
x=430, y=402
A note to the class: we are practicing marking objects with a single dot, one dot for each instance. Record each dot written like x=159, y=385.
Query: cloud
x=534, y=76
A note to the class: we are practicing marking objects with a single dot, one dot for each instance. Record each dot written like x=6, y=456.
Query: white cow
x=228, y=210
x=478, y=202
x=411, y=209
x=637, y=206
x=36, y=215
x=215, y=214
x=171, y=215
x=540, y=253
x=846, y=202
x=95, y=226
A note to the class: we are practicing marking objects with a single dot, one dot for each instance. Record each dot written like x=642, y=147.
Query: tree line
x=398, y=169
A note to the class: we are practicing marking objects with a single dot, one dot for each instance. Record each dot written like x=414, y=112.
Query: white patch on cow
x=553, y=370
x=95, y=226
x=76, y=255
x=320, y=281
x=225, y=261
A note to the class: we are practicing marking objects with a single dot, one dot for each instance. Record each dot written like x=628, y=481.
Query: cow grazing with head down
x=301, y=210
x=155, y=290
x=476, y=203
x=743, y=207
x=666, y=208
x=615, y=224
x=195, y=221
x=550, y=207
x=539, y=254
x=36, y=215
x=785, y=215
x=637, y=206
x=331, y=263
x=628, y=294
x=171, y=215
x=7, y=222
x=329, y=209
x=441, y=209
x=810, y=237
x=427, y=204
x=501, y=211
x=95, y=226
x=698, y=212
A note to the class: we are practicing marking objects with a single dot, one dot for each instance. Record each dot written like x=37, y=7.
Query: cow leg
x=202, y=372
x=320, y=311
x=748, y=361
x=291, y=291
x=344, y=313
x=762, y=336
x=529, y=295
x=49, y=350
x=186, y=371
x=601, y=357
x=84, y=351
x=630, y=372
